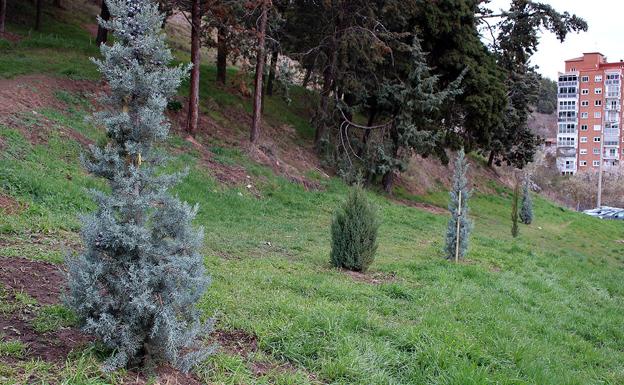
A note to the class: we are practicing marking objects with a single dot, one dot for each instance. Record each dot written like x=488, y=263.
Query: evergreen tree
x=514, y=210
x=547, y=100
x=517, y=39
x=137, y=282
x=449, y=33
x=526, y=211
x=459, y=226
x=354, y=233
x=416, y=127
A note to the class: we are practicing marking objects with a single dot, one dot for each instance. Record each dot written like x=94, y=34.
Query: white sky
x=605, y=34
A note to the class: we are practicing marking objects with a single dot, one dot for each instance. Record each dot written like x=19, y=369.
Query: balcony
x=611, y=142
x=611, y=132
x=617, y=108
x=612, y=118
x=568, y=84
x=611, y=156
x=566, y=152
x=569, y=143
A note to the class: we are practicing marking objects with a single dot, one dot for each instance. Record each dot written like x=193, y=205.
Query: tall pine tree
x=137, y=282
x=459, y=226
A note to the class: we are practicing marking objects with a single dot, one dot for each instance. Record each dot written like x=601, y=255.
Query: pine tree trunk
x=328, y=84
x=2, y=15
x=102, y=33
x=222, y=53
x=39, y=5
x=491, y=159
x=306, y=77
x=264, y=88
x=272, y=69
x=371, y=120
x=193, y=109
x=387, y=181
x=260, y=57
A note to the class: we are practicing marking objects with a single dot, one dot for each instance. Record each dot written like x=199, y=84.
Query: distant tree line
x=547, y=98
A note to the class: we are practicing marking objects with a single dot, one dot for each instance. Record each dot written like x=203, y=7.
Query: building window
x=596, y=139
x=596, y=151
x=583, y=139
x=567, y=105
x=596, y=163
x=597, y=114
x=585, y=91
x=598, y=91
x=597, y=103
x=584, y=79
x=597, y=127
x=598, y=78
x=584, y=151
x=583, y=163
x=567, y=128
x=584, y=103
x=584, y=115
x=583, y=127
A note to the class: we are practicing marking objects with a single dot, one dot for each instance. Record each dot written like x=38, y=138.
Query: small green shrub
x=354, y=233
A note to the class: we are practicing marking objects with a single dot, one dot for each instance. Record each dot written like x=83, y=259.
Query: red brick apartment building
x=589, y=108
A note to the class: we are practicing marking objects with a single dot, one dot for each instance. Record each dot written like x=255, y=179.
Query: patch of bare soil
x=275, y=148
x=227, y=174
x=51, y=346
x=31, y=92
x=375, y=278
x=236, y=341
x=25, y=94
x=13, y=38
x=166, y=375
x=424, y=175
x=10, y=206
x=41, y=280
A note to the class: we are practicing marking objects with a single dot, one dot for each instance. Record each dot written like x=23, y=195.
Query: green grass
x=545, y=308
x=53, y=317
x=12, y=348
x=62, y=47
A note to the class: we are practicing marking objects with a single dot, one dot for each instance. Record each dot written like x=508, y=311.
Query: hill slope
x=544, y=308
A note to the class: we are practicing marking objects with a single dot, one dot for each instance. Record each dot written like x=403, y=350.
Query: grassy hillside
x=545, y=308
